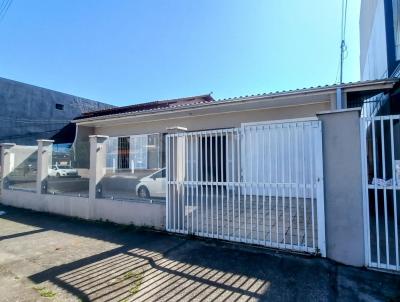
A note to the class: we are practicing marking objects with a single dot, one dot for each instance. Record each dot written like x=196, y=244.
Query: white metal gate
x=259, y=184
x=381, y=179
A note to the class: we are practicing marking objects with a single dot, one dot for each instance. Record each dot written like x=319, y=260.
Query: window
x=59, y=106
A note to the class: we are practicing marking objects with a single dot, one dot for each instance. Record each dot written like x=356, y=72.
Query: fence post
x=44, y=158
x=7, y=161
x=344, y=213
x=97, y=169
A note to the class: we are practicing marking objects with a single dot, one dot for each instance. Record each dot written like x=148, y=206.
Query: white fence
x=260, y=184
x=381, y=177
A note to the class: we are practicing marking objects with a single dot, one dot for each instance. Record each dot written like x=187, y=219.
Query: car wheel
x=143, y=192
x=58, y=175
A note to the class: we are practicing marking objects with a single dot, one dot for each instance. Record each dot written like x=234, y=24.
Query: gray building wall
x=28, y=113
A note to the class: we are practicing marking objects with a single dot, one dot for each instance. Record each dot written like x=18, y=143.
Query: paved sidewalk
x=45, y=257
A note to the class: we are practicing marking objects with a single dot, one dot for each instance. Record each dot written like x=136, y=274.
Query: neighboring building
x=29, y=113
x=380, y=51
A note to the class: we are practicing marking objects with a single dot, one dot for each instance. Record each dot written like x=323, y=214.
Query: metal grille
x=381, y=178
x=258, y=184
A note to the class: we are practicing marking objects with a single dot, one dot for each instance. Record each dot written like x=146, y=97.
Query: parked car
x=62, y=171
x=153, y=185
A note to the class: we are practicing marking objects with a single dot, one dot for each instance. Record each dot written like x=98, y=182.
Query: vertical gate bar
x=257, y=179
x=251, y=185
x=232, y=182
x=263, y=179
x=245, y=180
x=282, y=132
x=192, y=178
x=290, y=184
x=185, y=196
x=206, y=164
x=364, y=158
x=222, y=187
x=297, y=155
x=276, y=141
x=216, y=180
x=228, y=180
x=211, y=183
x=258, y=182
x=239, y=158
x=174, y=182
x=270, y=183
x=384, y=190
x=167, y=162
x=197, y=182
x=303, y=138
x=394, y=189
x=178, y=183
x=319, y=171
x=201, y=184
x=312, y=182
x=378, y=250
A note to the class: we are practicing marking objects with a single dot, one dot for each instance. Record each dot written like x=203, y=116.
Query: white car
x=62, y=171
x=152, y=185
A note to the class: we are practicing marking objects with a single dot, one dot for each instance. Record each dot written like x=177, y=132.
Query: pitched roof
x=207, y=100
x=163, y=104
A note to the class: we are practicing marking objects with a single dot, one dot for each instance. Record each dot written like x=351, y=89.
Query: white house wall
x=373, y=53
x=213, y=121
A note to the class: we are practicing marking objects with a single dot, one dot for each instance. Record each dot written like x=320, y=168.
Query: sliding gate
x=258, y=184
x=381, y=177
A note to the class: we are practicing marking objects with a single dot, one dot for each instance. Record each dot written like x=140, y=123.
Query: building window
x=59, y=106
x=396, y=27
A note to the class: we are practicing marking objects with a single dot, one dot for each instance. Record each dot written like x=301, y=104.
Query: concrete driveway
x=45, y=257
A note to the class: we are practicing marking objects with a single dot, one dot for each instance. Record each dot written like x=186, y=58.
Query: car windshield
x=64, y=167
x=160, y=174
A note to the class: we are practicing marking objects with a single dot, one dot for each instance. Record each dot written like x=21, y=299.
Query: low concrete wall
x=343, y=186
x=64, y=205
x=131, y=212
x=123, y=212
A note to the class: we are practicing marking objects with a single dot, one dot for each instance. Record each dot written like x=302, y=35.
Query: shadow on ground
x=104, y=262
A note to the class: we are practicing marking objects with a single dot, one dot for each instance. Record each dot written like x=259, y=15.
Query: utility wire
x=343, y=46
x=3, y=12
x=3, y=5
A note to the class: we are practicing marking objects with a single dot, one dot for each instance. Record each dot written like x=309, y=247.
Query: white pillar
x=43, y=161
x=7, y=161
x=97, y=170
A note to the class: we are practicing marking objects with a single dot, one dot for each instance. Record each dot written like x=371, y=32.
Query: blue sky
x=125, y=52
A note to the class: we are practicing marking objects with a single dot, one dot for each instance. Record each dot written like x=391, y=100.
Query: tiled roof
x=309, y=89
x=150, y=106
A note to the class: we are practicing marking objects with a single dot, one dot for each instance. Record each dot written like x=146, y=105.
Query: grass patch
x=128, y=275
x=44, y=292
x=137, y=282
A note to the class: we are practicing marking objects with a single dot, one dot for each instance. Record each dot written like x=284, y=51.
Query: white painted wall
x=373, y=53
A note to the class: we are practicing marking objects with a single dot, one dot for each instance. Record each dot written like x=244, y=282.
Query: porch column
x=97, y=169
x=45, y=150
x=7, y=161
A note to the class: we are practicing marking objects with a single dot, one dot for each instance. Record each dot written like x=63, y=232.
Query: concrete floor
x=74, y=260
